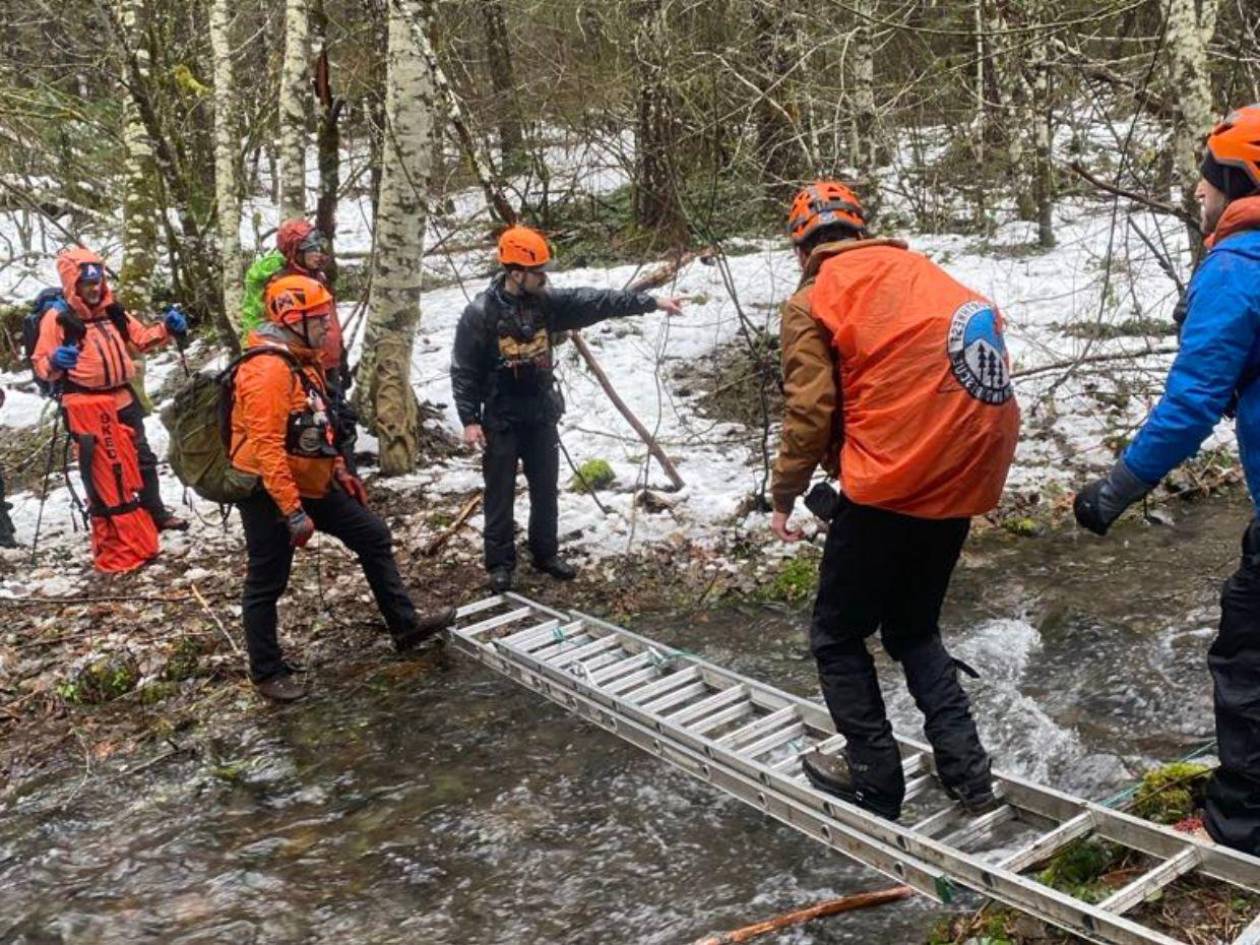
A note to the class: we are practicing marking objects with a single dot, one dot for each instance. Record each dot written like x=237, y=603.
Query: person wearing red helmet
x=896, y=380
x=281, y=432
x=1214, y=374
x=501, y=375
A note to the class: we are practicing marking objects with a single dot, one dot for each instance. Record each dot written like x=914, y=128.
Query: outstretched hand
x=779, y=525
x=670, y=306
x=475, y=436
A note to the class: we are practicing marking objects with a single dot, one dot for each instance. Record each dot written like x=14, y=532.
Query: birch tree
x=140, y=210
x=1191, y=27
x=866, y=146
x=384, y=396
x=293, y=95
x=226, y=165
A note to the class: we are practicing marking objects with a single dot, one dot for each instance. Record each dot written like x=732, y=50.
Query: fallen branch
x=1143, y=199
x=801, y=916
x=465, y=513
x=215, y=617
x=1091, y=359
x=85, y=601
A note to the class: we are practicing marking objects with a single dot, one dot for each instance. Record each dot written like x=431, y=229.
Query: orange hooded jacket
x=105, y=363
x=266, y=394
x=929, y=418
x=288, y=238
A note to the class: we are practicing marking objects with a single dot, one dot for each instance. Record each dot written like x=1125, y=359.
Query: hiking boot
x=281, y=688
x=975, y=800
x=500, y=580
x=831, y=773
x=426, y=627
x=170, y=522
x=557, y=567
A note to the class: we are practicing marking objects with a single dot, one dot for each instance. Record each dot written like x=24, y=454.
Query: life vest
x=929, y=414
x=123, y=534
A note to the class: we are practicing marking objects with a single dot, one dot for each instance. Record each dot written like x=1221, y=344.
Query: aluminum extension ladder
x=747, y=739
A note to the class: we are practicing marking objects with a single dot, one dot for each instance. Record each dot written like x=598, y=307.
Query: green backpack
x=199, y=420
x=256, y=278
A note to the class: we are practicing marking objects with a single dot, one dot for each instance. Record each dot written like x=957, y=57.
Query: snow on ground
x=1069, y=422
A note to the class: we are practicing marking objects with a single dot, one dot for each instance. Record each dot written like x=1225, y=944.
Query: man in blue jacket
x=1215, y=370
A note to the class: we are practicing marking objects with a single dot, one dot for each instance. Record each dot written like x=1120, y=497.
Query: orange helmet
x=523, y=247
x=1235, y=143
x=293, y=299
x=824, y=203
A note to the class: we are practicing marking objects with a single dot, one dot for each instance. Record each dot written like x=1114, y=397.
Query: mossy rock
x=1024, y=526
x=593, y=475
x=184, y=661
x=796, y=580
x=103, y=679
x=1170, y=794
x=156, y=692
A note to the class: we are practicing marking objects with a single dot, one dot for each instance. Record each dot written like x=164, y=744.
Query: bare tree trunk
x=329, y=139
x=503, y=81
x=980, y=123
x=293, y=84
x=780, y=143
x=656, y=201
x=140, y=210
x=1043, y=131
x=385, y=399
x=1190, y=29
x=867, y=147
x=227, y=139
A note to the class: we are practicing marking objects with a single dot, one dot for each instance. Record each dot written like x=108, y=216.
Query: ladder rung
x=721, y=717
x=773, y=740
x=665, y=684
x=599, y=645
x=477, y=607
x=1048, y=843
x=604, y=660
x=529, y=634
x=929, y=825
x=563, y=639
x=916, y=786
x=502, y=620
x=714, y=702
x=614, y=670
x=754, y=728
x=979, y=826
x=1122, y=900
x=914, y=764
x=677, y=697
x=826, y=746
x=624, y=684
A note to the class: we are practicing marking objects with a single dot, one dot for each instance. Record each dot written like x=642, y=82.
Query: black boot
x=833, y=774
x=500, y=580
x=426, y=627
x=557, y=567
x=8, y=534
x=961, y=761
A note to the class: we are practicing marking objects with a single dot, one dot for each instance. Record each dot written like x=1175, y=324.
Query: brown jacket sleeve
x=811, y=402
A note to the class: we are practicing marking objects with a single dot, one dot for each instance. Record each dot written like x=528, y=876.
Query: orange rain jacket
x=105, y=363
x=266, y=394
x=913, y=403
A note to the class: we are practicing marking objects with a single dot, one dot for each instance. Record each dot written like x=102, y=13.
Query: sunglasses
x=314, y=242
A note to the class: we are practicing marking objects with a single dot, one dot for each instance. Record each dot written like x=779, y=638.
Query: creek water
x=458, y=807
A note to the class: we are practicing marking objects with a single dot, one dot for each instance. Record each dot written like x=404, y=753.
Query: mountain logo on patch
x=977, y=353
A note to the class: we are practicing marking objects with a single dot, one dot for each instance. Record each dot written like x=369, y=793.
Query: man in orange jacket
x=896, y=378
x=282, y=432
x=95, y=357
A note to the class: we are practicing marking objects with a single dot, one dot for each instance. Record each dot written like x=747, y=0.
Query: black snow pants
x=8, y=534
x=1232, y=814
x=536, y=445
x=889, y=572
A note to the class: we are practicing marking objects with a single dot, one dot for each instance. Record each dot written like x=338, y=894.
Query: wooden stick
x=465, y=513
x=215, y=617
x=801, y=916
x=1076, y=168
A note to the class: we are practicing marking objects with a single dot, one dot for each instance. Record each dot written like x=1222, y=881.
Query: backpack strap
x=227, y=380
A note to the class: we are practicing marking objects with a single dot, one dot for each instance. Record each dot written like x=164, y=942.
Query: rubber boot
x=8, y=534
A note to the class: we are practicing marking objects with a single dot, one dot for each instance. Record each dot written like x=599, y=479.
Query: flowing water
x=461, y=808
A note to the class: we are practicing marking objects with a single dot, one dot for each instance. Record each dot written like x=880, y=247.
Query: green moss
x=593, y=475
x=101, y=680
x=1025, y=526
x=1170, y=794
x=1078, y=869
x=184, y=660
x=156, y=692
x=796, y=579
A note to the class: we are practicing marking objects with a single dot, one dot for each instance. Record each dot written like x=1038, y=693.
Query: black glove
x=1104, y=500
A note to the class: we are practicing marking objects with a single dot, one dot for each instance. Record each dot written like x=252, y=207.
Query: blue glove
x=65, y=358
x=175, y=320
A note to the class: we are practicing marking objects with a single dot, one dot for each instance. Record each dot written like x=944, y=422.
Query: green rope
x=1122, y=797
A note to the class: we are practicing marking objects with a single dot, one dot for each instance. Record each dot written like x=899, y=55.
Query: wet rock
x=102, y=678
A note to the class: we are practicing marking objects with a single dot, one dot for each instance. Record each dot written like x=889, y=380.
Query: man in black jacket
x=501, y=374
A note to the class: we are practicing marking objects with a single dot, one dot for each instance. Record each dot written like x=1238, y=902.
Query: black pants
x=151, y=490
x=888, y=572
x=7, y=532
x=270, y=560
x=1232, y=813
x=536, y=445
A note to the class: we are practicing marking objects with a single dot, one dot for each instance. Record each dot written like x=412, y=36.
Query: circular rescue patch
x=977, y=353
